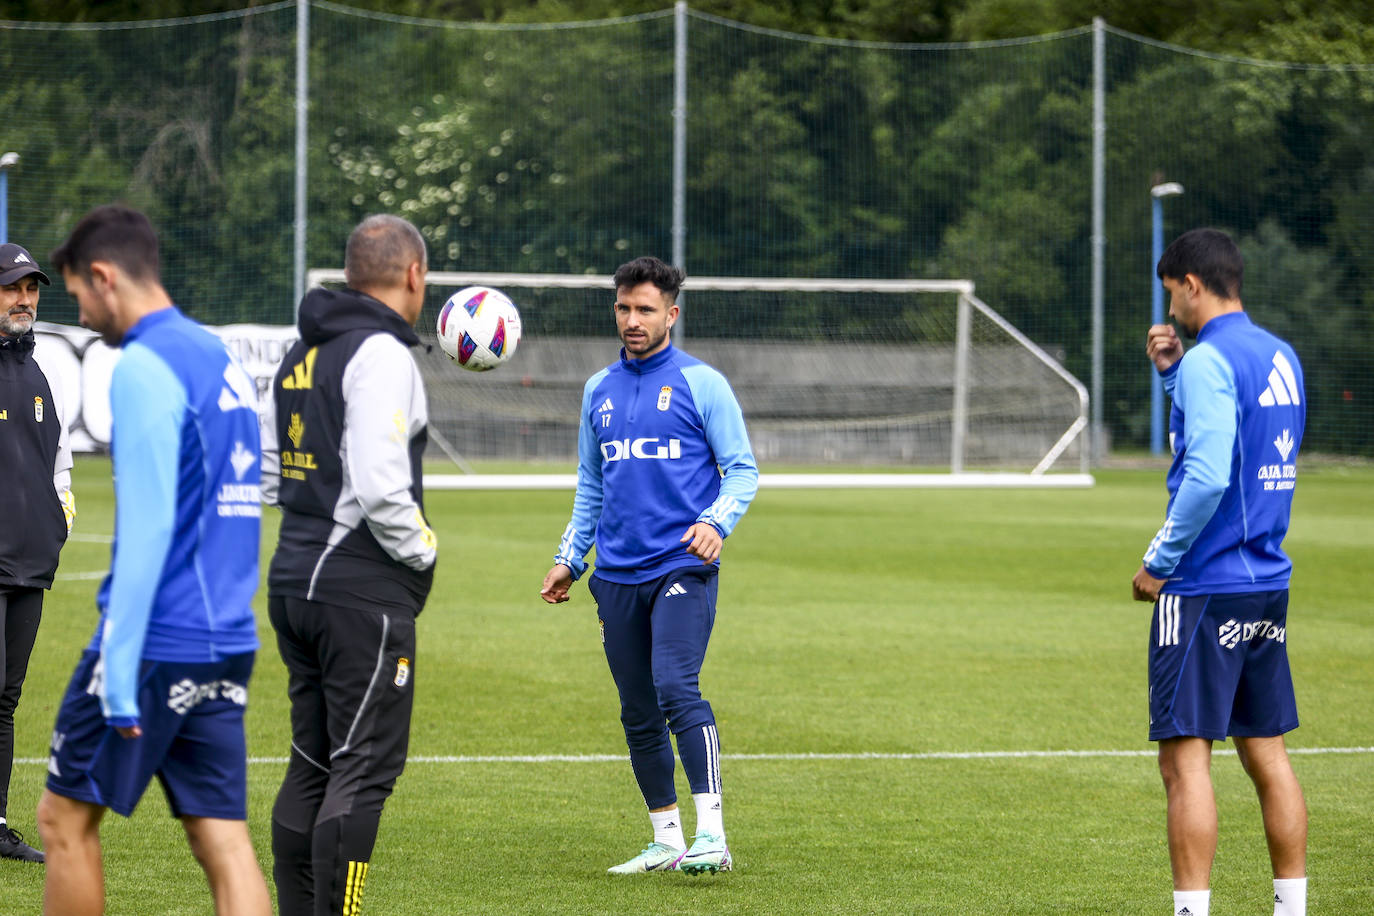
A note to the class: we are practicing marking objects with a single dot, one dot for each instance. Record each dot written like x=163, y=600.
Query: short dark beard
x=649, y=343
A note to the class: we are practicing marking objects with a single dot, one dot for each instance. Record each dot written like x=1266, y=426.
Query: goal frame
x=957, y=477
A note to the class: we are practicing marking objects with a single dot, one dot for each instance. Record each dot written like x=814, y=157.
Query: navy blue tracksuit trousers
x=655, y=635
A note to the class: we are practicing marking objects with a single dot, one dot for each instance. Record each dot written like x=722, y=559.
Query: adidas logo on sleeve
x=1283, y=384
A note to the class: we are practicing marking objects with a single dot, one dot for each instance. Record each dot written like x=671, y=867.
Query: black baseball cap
x=16, y=263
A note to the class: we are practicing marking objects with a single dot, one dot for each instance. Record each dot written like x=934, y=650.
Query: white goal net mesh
x=897, y=374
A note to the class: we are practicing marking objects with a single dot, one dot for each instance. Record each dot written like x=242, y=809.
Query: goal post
x=1074, y=433
x=882, y=373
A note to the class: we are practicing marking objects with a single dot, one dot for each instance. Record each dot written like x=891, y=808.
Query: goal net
x=884, y=375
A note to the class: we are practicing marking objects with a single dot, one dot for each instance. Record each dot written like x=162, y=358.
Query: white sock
x=668, y=828
x=1192, y=903
x=709, y=818
x=1290, y=897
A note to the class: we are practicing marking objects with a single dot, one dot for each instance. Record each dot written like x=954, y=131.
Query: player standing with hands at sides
x=343, y=437
x=163, y=685
x=665, y=472
x=38, y=461
x=1216, y=572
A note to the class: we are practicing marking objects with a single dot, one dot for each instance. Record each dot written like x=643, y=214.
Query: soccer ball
x=479, y=328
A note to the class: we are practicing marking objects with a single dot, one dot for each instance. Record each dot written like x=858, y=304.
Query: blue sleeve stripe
x=723, y=421
x=148, y=404
x=1169, y=377
x=581, y=531
x=1205, y=389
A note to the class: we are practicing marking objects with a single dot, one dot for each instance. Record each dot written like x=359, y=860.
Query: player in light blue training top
x=1216, y=570
x=163, y=686
x=664, y=474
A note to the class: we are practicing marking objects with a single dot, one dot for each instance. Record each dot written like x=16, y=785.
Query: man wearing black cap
x=38, y=462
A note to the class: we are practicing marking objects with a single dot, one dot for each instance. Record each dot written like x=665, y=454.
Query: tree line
x=547, y=150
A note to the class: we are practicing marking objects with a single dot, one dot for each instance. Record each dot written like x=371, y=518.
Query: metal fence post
x=1099, y=233
x=302, y=110
x=679, y=253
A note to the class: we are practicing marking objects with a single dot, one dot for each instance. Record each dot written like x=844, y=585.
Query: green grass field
x=911, y=626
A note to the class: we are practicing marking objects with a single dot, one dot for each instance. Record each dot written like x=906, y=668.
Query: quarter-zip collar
x=648, y=364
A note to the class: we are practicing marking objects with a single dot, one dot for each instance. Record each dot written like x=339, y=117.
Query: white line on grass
x=90, y=538
x=81, y=576
x=863, y=755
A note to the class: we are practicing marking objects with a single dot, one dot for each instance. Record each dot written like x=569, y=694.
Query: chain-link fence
x=550, y=149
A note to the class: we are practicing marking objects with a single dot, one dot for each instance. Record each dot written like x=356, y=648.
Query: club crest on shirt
x=665, y=395
x=402, y=672
x=38, y=408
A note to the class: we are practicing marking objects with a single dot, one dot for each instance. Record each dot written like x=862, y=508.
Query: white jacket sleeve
x=385, y=409
x=270, y=484
x=62, y=466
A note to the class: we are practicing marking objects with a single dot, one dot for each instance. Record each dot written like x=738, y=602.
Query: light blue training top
x=1236, y=426
x=662, y=446
x=186, y=458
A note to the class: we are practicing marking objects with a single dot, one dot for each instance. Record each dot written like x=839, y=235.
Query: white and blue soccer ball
x=479, y=328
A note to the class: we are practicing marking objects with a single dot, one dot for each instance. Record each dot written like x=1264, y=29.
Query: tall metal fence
x=551, y=148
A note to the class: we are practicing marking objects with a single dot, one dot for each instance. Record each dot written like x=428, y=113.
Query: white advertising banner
x=83, y=364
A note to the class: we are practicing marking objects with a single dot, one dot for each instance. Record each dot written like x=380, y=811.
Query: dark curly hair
x=647, y=269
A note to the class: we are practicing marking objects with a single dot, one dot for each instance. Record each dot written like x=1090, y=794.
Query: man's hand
x=129, y=731
x=1163, y=346
x=1145, y=587
x=705, y=542
x=556, y=584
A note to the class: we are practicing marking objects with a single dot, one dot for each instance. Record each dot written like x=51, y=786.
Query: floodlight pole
x=1157, y=195
x=7, y=162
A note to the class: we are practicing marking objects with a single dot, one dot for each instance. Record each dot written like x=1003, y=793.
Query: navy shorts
x=1219, y=667
x=191, y=714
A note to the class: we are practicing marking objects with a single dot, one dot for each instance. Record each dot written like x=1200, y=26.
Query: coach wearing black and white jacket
x=38, y=499
x=342, y=439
